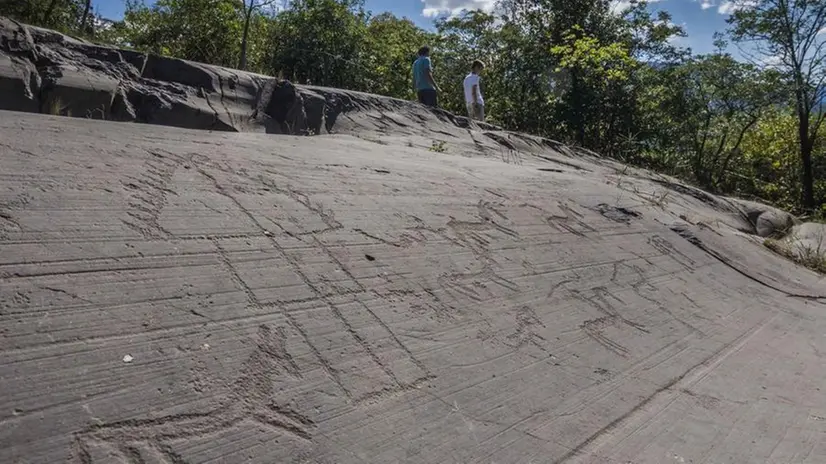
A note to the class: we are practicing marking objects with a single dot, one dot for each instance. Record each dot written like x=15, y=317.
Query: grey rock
x=75, y=91
x=408, y=286
x=19, y=85
x=765, y=220
x=808, y=239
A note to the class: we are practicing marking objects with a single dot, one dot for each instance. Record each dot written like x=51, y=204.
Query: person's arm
x=475, y=91
x=430, y=79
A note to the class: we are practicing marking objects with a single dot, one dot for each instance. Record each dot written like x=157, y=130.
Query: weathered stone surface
x=182, y=296
x=767, y=221
x=408, y=286
x=808, y=240
x=74, y=91
x=19, y=85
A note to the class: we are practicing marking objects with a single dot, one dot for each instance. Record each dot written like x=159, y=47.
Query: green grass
x=438, y=146
x=56, y=108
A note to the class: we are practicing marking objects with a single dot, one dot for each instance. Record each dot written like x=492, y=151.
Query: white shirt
x=470, y=81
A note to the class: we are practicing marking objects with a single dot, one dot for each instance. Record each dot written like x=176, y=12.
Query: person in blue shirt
x=423, y=81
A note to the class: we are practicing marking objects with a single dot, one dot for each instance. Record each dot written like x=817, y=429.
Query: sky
x=700, y=18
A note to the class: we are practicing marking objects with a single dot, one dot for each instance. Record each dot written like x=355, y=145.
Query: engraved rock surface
x=407, y=286
x=340, y=299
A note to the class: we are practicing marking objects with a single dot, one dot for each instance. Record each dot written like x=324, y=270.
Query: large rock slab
x=181, y=296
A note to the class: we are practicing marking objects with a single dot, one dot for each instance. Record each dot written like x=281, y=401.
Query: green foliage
x=438, y=146
x=713, y=103
x=72, y=17
x=198, y=30
x=770, y=164
x=321, y=42
x=788, y=33
x=390, y=50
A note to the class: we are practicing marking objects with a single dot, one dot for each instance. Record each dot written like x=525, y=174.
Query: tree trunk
x=83, y=19
x=806, y=145
x=735, y=150
x=577, y=104
x=242, y=62
x=807, y=176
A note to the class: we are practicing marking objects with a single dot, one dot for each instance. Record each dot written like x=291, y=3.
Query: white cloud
x=618, y=6
x=433, y=8
x=730, y=6
x=727, y=8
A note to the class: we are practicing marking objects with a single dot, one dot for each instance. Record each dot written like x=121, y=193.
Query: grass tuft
x=812, y=258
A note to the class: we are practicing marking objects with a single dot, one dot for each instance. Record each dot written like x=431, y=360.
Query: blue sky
x=700, y=18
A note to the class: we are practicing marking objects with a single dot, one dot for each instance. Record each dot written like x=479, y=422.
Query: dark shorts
x=428, y=97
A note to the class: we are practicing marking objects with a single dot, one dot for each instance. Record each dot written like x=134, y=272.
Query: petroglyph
x=330, y=298
x=667, y=248
x=617, y=213
x=525, y=334
x=595, y=328
x=253, y=398
x=605, y=302
x=148, y=192
x=566, y=220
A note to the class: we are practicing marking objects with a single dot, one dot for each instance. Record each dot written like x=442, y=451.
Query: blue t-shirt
x=420, y=68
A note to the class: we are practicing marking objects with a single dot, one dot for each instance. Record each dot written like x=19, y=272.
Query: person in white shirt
x=473, y=92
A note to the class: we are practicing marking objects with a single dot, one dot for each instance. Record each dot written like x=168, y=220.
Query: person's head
x=477, y=67
x=424, y=51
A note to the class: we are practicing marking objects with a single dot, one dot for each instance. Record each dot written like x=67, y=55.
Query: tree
x=68, y=16
x=599, y=71
x=714, y=102
x=390, y=49
x=250, y=7
x=84, y=18
x=321, y=42
x=198, y=30
x=787, y=34
x=462, y=39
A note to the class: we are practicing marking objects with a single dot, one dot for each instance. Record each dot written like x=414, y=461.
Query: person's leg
x=421, y=95
x=471, y=113
x=433, y=99
x=480, y=112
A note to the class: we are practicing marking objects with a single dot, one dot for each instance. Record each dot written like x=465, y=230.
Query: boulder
x=16, y=40
x=173, y=106
x=774, y=222
x=808, y=238
x=19, y=85
x=73, y=91
x=766, y=221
